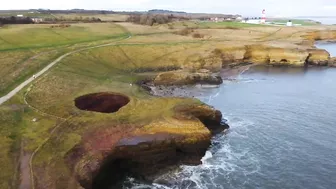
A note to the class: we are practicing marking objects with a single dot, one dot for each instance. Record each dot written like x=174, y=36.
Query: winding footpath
x=32, y=78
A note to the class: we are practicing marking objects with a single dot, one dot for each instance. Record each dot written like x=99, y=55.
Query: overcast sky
x=244, y=7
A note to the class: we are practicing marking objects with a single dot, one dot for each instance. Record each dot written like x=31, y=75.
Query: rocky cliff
x=277, y=56
x=106, y=155
x=318, y=57
x=321, y=35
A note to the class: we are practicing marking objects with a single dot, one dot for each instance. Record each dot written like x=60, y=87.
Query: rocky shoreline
x=194, y=88
x=183, y=137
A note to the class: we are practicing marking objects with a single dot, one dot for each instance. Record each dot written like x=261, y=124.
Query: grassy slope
x=300, y=22
x=213, y=25
x=103, y=69
x=27, y=37
x=25, y=49
x=296, y=21
x=19, y=60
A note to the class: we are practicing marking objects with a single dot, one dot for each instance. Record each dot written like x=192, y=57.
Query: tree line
x=73, y=19
x=15, y=20
x=153, y=19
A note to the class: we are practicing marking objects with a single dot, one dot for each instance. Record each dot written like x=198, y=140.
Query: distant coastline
x=323, y=20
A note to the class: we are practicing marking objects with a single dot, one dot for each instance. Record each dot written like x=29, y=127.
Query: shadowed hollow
x=101, y=102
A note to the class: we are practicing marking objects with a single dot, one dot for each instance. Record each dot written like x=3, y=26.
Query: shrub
x=217, y=51
x=231, y=28
x=197, y=35
x=184, y=32
x=171, y=27
x=149, y=19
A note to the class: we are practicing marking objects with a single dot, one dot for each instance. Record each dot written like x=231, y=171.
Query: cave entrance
x=102, y=102
x=113, y=174
x=284, y=61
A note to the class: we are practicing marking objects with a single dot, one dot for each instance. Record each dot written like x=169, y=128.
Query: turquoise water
x=282, y=136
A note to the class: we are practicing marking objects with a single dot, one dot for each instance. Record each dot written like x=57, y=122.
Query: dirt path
x=24, y=169
x=29, y=172
x=32, y=78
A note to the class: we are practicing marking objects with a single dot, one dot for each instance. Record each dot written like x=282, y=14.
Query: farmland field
x=24, y=49
x=21, y=37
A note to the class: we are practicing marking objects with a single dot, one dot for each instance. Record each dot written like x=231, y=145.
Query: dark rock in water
x=214, y=123
x=332, y=62
x=318, y=57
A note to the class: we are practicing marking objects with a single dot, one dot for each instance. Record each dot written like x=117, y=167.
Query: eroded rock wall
x=261, y=54
x=319, y=57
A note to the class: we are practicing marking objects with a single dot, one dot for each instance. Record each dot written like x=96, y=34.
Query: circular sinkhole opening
x=102, y=102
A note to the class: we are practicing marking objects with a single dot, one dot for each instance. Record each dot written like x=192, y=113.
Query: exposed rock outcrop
x=332, y=62
x=275, y=56
x=209, y=61
x=321, y=35
x=187, y=78
x=230, y=55
x=105, y=156
x=261, y=54
x=319, y=57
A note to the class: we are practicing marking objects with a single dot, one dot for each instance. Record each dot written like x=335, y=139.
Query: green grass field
x=296, y=21
x=25, y=49
x=21, y=37
x=213, y=25
x=228, y=25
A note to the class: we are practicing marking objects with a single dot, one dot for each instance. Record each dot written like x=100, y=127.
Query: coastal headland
x=90, y=120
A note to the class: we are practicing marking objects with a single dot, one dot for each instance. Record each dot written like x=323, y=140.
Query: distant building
x=289, y=23
x=214, y=19
x=221, y=19
x=239, y=18
x=19, y=15
x=263, y=17
x=37, y=20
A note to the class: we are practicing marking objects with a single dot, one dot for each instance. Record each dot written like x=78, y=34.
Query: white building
x=263, y=17
x=37, y=20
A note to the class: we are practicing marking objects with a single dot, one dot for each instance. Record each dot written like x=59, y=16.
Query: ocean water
x=330, y=47
x=325, y=20
x=282, y=135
